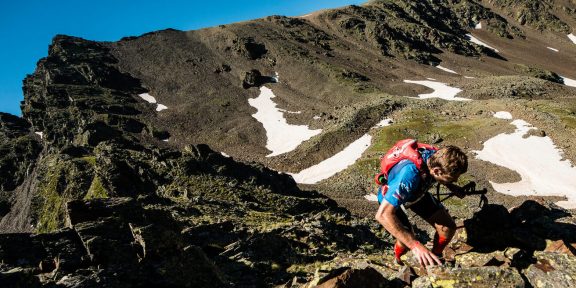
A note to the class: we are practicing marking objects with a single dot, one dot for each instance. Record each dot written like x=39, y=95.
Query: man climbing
x=410, y=169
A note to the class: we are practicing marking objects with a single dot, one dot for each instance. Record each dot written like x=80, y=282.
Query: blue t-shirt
x=405, y=183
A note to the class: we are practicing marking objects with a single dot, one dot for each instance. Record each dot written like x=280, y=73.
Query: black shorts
x=425, y=207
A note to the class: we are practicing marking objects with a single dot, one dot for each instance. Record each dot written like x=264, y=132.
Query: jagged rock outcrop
x=201, y=242
x=110, y=242
x=432, y=26
x=18, y=152
x=540, y=14
x=77, y=97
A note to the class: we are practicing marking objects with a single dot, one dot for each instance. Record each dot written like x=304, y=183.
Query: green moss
x=89, y=159
x=96, y=190
x=62, y=180
x=275, y=266
x=447, y=283
x=421, y=124
x=539, y=73
x=563, y=109
x=51, y=215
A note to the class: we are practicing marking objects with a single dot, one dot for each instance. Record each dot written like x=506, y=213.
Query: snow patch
x=446, y=69
x=276, y=78
x=478, y=26
x=477, y=41
x=431, y=79
x=371, y=197
x=553, y=49
x=469, y=77
x=568, y=81
x=41, y=134
x=383, y=123
x=441, y=90
x=149, y=98
x=289, y=112
x=572, y=37
x=337, y=162
x=282, y=137
x=334, y=164
x=225, y=155
x=503, y=115
x=537, y=160
x=316, y=117
x=161, y=107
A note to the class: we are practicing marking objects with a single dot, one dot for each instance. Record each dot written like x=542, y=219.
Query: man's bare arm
x=387, y=217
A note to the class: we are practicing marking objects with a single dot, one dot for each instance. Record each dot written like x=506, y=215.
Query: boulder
x=249, y=48
x=350, y=278
x=252, y=78
x=552, y=270
x=470, y=277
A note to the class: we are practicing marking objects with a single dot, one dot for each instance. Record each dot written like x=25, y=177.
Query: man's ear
x=436, y=171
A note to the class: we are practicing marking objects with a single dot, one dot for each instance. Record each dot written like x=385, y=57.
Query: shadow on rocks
x=527, y=227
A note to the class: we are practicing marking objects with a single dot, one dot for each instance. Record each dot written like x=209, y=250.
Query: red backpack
x=403, y=149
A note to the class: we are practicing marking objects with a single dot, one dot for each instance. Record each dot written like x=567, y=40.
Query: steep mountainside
x=143, y=162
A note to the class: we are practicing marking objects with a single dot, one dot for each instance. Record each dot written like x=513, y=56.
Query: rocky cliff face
x=111, y=192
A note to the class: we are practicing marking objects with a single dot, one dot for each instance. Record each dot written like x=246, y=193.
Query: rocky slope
x=112, y=192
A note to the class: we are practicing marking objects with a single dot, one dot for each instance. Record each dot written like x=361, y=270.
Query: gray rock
x=470, y=277
x=552, y=270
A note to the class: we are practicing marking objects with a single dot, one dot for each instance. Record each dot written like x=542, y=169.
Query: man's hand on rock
x=425, y=257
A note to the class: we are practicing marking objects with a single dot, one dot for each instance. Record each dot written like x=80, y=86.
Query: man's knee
x=443, y=223
x=450, y=229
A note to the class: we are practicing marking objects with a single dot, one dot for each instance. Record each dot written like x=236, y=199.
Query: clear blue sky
x=27, y=27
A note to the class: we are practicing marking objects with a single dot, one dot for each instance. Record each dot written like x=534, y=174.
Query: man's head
x=447, y=164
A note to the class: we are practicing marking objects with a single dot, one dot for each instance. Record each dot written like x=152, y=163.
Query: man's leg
x=445, y=230
x=399, y=247
x=399, y=250
x=436, y=215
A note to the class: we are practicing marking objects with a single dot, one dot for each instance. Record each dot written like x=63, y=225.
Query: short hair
x=451, y=160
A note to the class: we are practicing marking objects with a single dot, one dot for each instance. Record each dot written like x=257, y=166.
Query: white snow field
x=477, y=41
x=281, y=136
x=441, y=90
x=339, y=161
x=537, y=160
